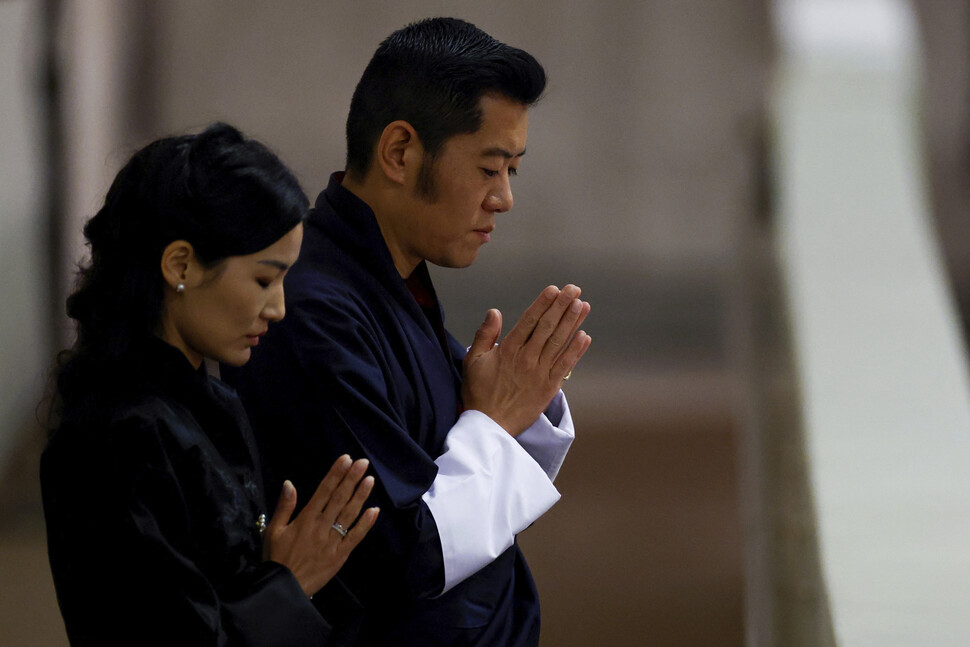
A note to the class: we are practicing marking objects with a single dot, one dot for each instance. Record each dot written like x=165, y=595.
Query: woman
x=156, y=520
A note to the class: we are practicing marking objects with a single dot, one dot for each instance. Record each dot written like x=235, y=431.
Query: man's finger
x=530, y=318
x=550, y=322
x=486, y=335
x=564, y=332
x=571, y=356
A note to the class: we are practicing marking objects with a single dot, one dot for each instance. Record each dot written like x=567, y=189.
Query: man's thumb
x=487, y=334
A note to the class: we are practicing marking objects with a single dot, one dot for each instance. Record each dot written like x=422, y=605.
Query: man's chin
x=456, y=263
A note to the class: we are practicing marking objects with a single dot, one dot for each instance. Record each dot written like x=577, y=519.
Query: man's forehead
x=499, y=151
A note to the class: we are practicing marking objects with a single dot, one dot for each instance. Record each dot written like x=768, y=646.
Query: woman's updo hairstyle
x=223, y=193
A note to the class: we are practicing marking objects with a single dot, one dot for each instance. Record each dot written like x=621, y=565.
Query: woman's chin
x=237, y=358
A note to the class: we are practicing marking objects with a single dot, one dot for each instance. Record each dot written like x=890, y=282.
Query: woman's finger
x=360, y=529
x=345, y=490
x=281, y=515
x=351, y=511
x=329, y=483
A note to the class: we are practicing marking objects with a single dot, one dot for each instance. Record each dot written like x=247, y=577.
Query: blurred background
x=765, y=202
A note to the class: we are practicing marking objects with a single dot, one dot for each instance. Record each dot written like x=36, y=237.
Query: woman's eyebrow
x=280, y=265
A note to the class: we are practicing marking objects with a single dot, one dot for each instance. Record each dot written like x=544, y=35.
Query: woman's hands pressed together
x=312, y=545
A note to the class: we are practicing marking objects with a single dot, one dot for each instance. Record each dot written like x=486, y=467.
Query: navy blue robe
x=357, y=367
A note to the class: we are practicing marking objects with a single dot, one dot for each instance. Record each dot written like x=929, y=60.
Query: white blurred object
x=877, y=32
x=883, y=369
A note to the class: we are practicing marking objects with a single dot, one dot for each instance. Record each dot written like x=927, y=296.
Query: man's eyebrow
x=498, y=151
x=280, y=265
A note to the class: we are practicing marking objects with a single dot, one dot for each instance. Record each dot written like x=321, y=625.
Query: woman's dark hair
x=223, y=193
x=433, y=74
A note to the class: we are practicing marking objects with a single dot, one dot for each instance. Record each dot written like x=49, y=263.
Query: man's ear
x=399, y=151
x=180, y=265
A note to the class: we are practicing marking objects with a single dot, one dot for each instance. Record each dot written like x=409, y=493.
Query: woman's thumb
x=284, y=507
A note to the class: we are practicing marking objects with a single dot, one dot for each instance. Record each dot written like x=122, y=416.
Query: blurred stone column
x=945, y=35
x=105, y=52
x=23, y=343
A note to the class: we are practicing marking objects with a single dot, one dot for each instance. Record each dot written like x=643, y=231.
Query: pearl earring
x=180, y=288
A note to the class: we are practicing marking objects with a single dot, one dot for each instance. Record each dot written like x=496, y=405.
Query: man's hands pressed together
x=513, y=381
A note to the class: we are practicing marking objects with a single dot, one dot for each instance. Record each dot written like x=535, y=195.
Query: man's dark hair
x=433, y=74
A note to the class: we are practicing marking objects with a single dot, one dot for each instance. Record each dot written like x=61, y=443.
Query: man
x=463, y=454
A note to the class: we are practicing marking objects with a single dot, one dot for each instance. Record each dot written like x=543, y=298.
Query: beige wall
x=643, y=168
x=642, y=157
x=626, y=154
x=643, y=172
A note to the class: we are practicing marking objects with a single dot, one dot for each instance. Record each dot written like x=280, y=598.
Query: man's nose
x=499, y=199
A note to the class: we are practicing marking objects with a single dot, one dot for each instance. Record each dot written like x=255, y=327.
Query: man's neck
x=380, y=201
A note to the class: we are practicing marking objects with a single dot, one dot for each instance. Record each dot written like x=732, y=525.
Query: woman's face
x=224, y=311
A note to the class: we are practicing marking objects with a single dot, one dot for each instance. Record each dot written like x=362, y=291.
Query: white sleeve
x=549, y=437
x=487, y=490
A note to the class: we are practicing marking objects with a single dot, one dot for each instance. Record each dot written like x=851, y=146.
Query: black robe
x=151, y=495
x=358, y=366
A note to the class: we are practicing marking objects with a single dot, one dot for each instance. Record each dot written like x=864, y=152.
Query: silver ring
x=336, y=526
x=568, y=375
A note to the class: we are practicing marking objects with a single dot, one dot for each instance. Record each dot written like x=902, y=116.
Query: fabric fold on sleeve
x=487, y=490
x=548, y=439
x=274, y=610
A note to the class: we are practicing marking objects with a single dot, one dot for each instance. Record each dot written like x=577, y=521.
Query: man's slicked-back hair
x=433, y=74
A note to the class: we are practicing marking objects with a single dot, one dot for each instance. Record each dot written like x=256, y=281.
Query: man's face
x=451, y=219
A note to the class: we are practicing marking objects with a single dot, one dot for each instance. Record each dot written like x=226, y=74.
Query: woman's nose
x=276, y=307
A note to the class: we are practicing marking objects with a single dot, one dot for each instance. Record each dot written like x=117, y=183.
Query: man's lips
x=485, y=233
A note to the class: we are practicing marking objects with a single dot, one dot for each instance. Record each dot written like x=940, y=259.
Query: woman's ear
x=180, y=265
x=399, y=151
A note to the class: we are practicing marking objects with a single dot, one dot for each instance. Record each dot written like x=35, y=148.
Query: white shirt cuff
x=487, y=490
x=549, y=437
